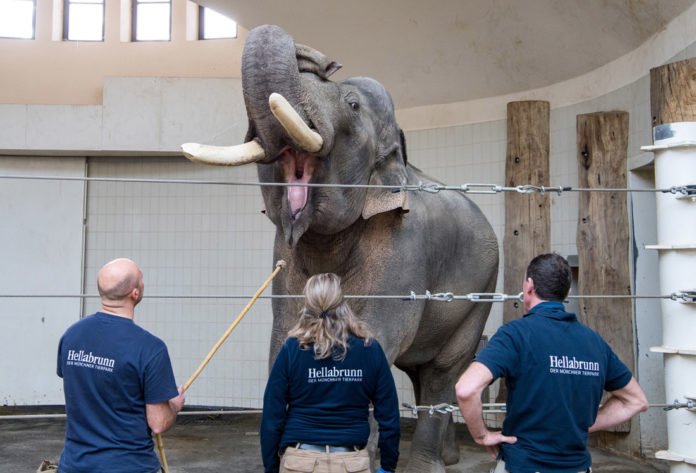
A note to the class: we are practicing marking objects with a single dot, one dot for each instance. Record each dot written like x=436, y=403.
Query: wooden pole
x=527, y=216
x=673, y=92
x=603, y=235
x=279, y=265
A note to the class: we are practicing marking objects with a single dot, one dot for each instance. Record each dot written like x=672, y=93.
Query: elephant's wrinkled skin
x=378, y=241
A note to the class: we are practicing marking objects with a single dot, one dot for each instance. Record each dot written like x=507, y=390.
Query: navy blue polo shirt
x=111, y=368
x=555, y=370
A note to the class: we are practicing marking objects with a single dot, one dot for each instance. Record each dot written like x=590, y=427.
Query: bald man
x=118, y=382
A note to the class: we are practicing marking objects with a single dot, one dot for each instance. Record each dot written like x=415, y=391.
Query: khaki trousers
x=500, y=468
x=295, y=460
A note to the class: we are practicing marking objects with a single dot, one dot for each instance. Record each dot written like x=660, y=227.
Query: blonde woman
x=317, y=399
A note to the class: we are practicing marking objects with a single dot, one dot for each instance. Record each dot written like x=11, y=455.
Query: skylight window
x=152, y=20
x=214, y=25
x=84, y=20
x=17, y=19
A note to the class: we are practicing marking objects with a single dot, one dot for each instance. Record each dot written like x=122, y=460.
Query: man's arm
x=161, y=416
x=623, y=404
x=469, y=389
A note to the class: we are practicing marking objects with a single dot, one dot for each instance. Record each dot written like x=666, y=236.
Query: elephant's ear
x=390, y=170
x=311, y=60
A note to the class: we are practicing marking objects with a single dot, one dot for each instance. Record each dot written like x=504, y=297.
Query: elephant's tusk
x=249, y=152
x=298, y=130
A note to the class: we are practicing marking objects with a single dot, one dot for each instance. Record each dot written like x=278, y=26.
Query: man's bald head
x=117, y=279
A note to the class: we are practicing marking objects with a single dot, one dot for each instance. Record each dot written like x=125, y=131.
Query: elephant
x=307, y=129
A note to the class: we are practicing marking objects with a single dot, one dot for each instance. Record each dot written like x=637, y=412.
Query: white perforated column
x=675, y=165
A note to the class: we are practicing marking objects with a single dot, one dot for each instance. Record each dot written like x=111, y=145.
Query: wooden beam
x=527, y=216
x=603, y=235
x=673, y=92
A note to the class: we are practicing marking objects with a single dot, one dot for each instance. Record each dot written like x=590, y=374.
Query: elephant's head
x=304, y=128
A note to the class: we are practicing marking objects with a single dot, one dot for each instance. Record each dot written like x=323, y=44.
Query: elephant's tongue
x=297, y=197
x=298, y=168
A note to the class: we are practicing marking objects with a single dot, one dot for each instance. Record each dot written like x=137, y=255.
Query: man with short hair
x=118, y=382
x=556, y=370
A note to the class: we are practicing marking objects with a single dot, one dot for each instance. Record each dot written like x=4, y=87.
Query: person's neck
x=125, y=312
x=535, y=302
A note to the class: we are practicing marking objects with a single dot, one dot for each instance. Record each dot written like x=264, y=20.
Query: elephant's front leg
x=427, y=443
x=433, y=438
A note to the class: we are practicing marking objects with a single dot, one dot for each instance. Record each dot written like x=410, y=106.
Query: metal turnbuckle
x=489, y=297
x=480, y=188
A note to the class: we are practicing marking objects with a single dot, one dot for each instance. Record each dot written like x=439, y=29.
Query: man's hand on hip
x=492, y=440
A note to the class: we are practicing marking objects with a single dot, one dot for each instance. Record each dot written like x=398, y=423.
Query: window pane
x=85, y=22
x=153, y=22
x=216, y=25
x=17, y=19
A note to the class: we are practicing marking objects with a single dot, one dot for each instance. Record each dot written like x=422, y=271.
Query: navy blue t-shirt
x=555, y=370
x=111, y=368
x=326, y=402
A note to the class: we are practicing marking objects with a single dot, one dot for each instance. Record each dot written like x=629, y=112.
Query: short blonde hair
x=326, y=320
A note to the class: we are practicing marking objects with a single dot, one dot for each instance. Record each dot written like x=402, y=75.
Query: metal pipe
x=675, y=162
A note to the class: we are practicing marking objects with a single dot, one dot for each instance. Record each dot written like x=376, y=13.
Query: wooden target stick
x=279, y=265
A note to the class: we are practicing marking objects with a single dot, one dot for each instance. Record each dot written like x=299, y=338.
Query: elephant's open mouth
x=297, y=168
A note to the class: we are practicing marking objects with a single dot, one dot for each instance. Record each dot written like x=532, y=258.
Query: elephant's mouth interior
x=297, y=168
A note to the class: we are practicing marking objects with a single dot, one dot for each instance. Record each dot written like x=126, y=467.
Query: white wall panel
x=41, y=254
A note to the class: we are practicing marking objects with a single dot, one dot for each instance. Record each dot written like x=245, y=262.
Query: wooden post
x=527, y=216
x=673, y=92
x=603, y=235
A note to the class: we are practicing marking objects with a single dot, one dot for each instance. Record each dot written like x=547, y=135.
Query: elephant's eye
x=354, y=106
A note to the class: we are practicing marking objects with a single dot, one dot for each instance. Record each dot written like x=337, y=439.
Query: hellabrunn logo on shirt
x=88, y=360
x=333, y=374
x=562, y=364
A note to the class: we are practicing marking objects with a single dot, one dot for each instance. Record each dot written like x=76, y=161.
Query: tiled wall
x=190, y=240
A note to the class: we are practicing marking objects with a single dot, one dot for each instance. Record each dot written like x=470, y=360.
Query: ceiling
x=445, y=51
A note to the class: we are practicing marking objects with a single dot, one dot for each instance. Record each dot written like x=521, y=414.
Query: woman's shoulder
x=370, y=344
x=291, y=342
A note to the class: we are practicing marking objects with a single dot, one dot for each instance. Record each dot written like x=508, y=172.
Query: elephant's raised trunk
x=269, y=65
x=271, y=83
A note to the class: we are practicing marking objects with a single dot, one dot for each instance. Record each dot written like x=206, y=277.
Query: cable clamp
x=687, y=296
x=443, y=297
x=684, y=192
x=688, y=405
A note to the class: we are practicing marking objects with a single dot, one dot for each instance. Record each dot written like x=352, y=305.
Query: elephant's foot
x=450, y=447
